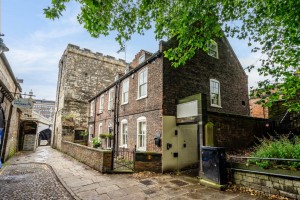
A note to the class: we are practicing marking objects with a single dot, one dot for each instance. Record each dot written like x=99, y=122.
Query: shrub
x=96, y=142
x=277, y=148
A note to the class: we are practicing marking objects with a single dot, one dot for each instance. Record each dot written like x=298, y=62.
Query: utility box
x=214, y=164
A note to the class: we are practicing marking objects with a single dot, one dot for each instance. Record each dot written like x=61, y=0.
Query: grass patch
x=281, y=147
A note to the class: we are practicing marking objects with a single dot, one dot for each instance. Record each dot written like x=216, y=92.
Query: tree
x=270, y=27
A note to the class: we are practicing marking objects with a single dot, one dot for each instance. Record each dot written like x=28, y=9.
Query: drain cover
x=179, y=183
x=147, y=182
x=149, y=192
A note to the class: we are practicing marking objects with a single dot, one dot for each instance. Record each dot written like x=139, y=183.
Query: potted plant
x=96, y=142
x=103, y=135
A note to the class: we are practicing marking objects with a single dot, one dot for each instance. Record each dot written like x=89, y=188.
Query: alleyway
x=82, y=182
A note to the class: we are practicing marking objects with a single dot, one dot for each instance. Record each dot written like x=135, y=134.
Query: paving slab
x=84, y=183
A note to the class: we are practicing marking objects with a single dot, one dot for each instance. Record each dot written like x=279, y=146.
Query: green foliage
x=84, y=133
x=278, y=148
x=270, y=27
x=96, y=142
x=106, y=135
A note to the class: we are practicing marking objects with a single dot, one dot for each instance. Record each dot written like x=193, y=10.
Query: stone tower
x=82, y=74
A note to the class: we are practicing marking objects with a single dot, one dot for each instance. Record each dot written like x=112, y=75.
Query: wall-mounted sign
x=23, y=103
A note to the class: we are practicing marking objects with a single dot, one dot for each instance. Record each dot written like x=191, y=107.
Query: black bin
x=214, y=164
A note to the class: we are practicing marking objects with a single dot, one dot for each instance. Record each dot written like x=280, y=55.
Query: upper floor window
x=142, y=58
x=124, y=133
x=111, y=99
x=125, y=89
x=91, y=131
x=142, y=83
x=92, y=108
x=215, y=97
x=141, y=133
x=213, y=49
x=101, y=103
x=100, y=130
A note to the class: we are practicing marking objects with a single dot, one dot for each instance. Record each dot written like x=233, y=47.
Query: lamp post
x=3, y=47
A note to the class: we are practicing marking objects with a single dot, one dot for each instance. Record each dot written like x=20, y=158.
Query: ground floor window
x=124, y=133
x=141, y=134
x=109, y=138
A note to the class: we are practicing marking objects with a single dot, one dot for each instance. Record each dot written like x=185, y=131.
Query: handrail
x=274, y=159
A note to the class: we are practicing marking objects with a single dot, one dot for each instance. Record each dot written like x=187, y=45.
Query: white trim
x=101, y=103
x=213, y=50
x=111, y=101
x=124, y=121
x=145, y=83
x=90, y=133
x=100, y=129
x=92, y=108
x=107, y=139
x=139, y=121
x=123, y=92
x=211, y=81
x=142, y=58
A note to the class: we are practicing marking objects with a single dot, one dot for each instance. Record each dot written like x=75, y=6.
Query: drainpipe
x=116, y=115
x=95, y=101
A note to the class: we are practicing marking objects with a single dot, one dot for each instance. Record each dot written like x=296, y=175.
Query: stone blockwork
x=99, y=160
x=268, y=184
x=82, y=74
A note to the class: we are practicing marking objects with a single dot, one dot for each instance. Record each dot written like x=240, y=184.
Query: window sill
x=123, y=104
x=141, y=97
x=123, y=146
x=215, y=106
x=141, y=150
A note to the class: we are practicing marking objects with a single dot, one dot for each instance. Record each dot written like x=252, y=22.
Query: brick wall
x=236, y=132
x=268, y=184
x=257, y=110
x=148, y=162
x=194, y=77
x=99, y=160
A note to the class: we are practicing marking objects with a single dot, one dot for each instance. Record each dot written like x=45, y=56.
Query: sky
x=36, y=44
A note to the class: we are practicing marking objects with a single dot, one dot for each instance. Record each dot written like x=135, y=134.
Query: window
x=101, y=103
x=124, y=133
x=111, y=99
x=142, y=87
x=100, y=130
x=141, y=133
x=142, y=58
x=109, y=139
x=92, y=108
x=215, y=98
x=213, y=49
x=90, y=133
x=125, y=88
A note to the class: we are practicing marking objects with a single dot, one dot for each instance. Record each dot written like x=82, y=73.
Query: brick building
x=44, y=107
x=154, y=107
x=82, y=74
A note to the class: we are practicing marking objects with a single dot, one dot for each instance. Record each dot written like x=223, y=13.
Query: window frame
x=211, y=92
x=100, y=126
x=101, y=103
x=111, y=99
x=142, y=84
x=109, y=140
x=124, y=144
x=92, y=108
x=141, y=120
x=91, y=130
x=126, y=81
x=142, y=58
x=210, y=46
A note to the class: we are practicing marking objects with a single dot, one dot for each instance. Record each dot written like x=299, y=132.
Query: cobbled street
x=31, y=175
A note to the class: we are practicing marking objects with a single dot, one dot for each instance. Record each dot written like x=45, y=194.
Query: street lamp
x=3, y=48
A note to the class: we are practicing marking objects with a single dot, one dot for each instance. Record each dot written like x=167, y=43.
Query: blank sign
x=188, y=109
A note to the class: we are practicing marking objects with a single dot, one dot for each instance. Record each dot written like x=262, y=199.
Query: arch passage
x=45, y=135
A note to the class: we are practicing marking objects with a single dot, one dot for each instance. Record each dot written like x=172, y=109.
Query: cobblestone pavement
x=85, y=183
x=31, y=181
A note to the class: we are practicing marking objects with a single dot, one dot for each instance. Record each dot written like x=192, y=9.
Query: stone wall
x=148, y=161
x=268, y=184
x=237, y=132
x=194, y=78
x=99, y=160
x=82, y=74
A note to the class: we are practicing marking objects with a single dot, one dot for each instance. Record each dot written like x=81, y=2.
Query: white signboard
x=188, y=109
x=23, y=103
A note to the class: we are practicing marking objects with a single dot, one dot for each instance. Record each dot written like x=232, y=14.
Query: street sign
x=23, y=103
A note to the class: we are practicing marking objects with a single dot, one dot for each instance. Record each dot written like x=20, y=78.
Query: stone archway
x=45, y=137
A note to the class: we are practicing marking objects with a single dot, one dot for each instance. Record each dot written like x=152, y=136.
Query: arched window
x=141, y=134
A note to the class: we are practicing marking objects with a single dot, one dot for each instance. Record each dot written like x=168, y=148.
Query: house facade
x=157, y=108
x=9, y=115
x=82, y=74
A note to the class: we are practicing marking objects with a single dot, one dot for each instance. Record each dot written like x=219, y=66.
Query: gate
x=123, y=160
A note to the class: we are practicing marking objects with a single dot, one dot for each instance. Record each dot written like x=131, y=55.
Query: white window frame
x=109, y=140
x=125, y=91
x=111, y=99
x=124, y=144
x=142, y=58
x=99, y=130
x=212, y=92
x=142, y=147
x=142, y=83
x=213, y=49
x=91, y=129
x=101, y=103
x=92, y=108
